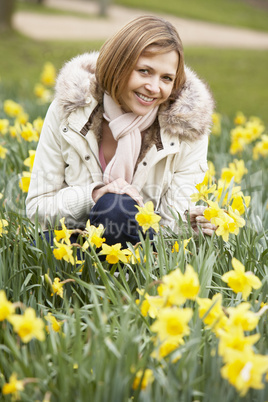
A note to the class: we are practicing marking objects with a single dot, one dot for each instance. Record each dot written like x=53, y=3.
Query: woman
x=128, y=125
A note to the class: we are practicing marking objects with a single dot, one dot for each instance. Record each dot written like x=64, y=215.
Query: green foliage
x=105, y=340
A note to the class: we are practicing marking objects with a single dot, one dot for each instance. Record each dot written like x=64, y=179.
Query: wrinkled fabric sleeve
x=190, y=168
x=49, y=196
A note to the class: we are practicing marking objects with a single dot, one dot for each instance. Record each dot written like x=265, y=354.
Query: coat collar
x=189, y=117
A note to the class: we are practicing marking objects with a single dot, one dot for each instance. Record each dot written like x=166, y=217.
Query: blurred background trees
x=6, y=11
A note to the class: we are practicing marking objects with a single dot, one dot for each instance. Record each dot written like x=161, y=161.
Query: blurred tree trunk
x=6, y=11
x=103, y=7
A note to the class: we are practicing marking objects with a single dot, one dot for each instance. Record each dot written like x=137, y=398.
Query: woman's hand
x=118, y=186
x=198, y=220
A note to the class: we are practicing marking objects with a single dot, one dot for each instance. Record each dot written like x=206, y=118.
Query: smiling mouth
x=144, y=98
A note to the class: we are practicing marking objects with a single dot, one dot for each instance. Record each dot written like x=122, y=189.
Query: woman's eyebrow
x=141, y=65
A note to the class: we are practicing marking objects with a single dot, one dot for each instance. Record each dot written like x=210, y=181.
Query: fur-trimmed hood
x=189, y=116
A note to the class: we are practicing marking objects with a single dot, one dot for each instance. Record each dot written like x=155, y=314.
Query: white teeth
x=145, y=98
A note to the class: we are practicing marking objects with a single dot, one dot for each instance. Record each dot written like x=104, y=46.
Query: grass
x=236, y=77
x=228, y=12
x=24, y=58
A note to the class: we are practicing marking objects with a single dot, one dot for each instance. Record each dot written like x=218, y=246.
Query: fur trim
x=191, y=113
x=189, y=116
x=76, y=83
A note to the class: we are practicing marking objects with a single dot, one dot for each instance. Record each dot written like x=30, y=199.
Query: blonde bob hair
x=119, y=54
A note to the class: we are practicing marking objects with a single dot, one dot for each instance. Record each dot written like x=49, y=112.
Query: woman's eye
x=143, y=71
x=167, y=78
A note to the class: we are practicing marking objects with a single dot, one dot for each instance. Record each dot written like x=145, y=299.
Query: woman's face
x=150, y=83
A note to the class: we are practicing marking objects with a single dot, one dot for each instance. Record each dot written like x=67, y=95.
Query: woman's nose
x=153, y=85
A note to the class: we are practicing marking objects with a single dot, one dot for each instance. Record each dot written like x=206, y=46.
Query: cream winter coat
x=67, y=167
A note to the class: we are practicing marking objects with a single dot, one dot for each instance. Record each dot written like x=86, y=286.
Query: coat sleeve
x=49, y=196
x=190, y=168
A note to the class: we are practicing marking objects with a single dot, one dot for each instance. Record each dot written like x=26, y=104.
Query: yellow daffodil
x=30, y=160
x=150, y=305
x=42, y=93
x=93, y=236
x=6, y=307
x=64, y=252
x=222, y=188
x=263, y=304
x=242, y=316
x=261, y=148
x=143, y=378
x=254, y=129
x=48, y=75
x=4, y=125
x=13, y=387
x=54, y=324
x=38, y=124
x=238, y=139
x=178, y=287
x=240, y=281
x=63, y=234
x=213, y=211
x=236, y=170
x=164, y=349
x=28, y=326
x=245, y=370
x=235, y=339
x=57, y=287
x=12, y=109
x=28, y=133
x=211, y=312
x=22, y=118
x=226, y=225
x=24, y=182
x=256, y=119
x=203, y=192
x=237, y=147
x=3, y=224
x=147, y=218
x=239, y=202
x=135, y=257
x=238, y=220
x=3, y=152
x=172, y=324
x=216, y=120
x=114, y=253
x=15, y=131
x=176, y=246
x=240, y=119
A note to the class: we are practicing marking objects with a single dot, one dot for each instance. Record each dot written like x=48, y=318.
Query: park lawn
x=236, y=77
x=228, y=12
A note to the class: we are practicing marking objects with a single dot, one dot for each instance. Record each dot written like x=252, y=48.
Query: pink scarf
x=126, y=129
